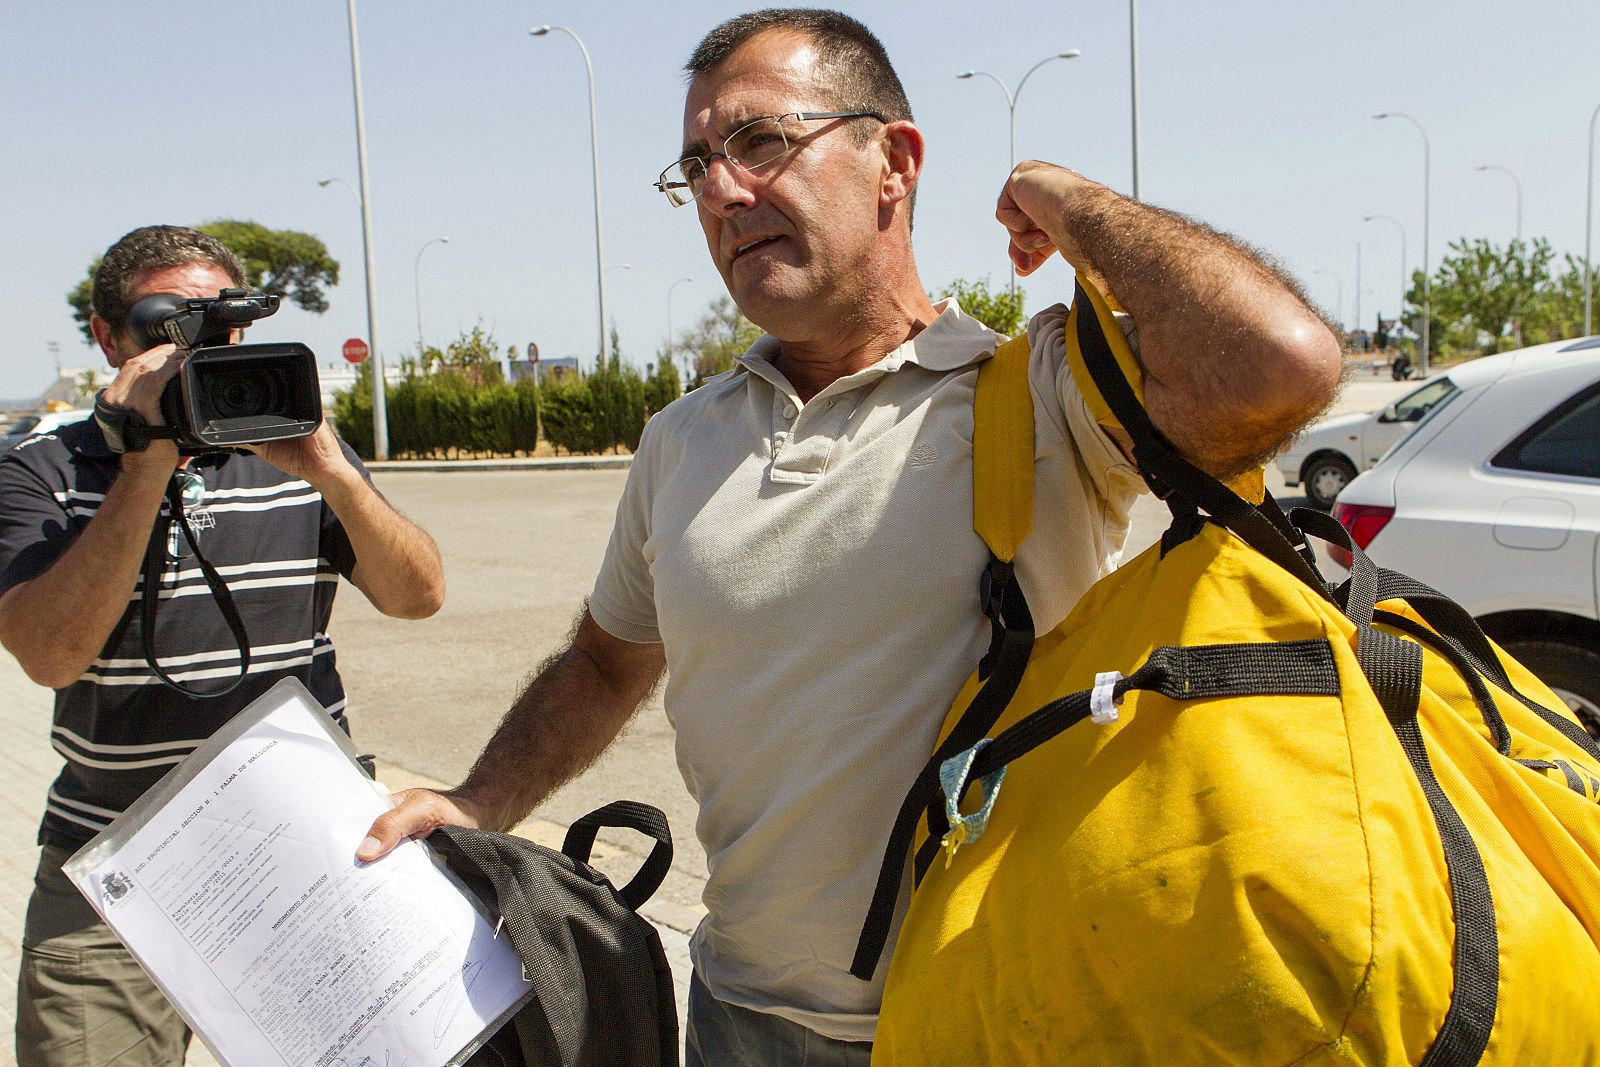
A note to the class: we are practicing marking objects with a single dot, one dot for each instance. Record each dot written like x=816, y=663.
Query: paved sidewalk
x=28, y=765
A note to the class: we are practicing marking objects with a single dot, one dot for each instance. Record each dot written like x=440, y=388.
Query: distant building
x=340, y=377
x=74, y=387
x=557, y=369
x=553, y=369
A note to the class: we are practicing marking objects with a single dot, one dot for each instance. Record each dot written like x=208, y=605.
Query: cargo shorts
x=82, y=999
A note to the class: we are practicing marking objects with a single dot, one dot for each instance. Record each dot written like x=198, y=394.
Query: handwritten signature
x=368, y=1061
x=450, y=1003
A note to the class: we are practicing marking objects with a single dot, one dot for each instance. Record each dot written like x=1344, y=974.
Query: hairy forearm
x=569, y=713
x=397, y=563
x=57, y=623
x=1235, y=359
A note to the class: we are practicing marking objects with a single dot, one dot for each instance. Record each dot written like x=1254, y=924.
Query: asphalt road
x=520, y=551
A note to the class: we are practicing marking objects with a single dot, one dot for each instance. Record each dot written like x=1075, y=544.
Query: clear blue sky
x=1254, y=117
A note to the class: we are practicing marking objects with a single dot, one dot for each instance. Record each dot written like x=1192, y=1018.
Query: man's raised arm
x=1234, y=358
x=566, y=717
x=397, y=564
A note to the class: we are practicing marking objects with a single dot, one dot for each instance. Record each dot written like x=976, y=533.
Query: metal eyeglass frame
x=670, y=188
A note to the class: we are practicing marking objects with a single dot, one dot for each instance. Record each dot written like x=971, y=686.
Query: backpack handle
x=627, y=815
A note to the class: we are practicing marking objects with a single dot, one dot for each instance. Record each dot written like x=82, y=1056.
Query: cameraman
x=75, y=520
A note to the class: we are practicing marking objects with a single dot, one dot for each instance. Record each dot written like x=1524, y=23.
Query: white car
x=1332, y=451
x=25, y=426
x=1494, y=499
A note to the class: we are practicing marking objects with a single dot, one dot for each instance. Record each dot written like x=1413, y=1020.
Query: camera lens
x=244, y=393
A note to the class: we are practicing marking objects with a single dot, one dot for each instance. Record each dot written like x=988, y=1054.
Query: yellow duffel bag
x=1229, y=813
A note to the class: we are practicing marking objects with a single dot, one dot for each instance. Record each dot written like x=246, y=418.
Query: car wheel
x=1325, y=477
x=1571, y=671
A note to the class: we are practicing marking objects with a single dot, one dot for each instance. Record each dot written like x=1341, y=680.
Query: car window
x=1414, y=405
x=22, y=424
x=1563, y=442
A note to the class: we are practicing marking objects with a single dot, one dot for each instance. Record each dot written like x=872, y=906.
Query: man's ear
x=104, y=337
x=903, y=148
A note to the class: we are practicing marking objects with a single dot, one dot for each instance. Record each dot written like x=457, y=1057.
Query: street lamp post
x=1507, y=171
x=416, y=277
x=1405, y=277
x=671, y=287
x=1358, y=326
x=1427, y=294
x=1338, y=307
x=1133, y=83
x=1011, y=105
x=380, y=414
x=325, y=182
x=594, y=162
x=1588, y=225
x=616, y=354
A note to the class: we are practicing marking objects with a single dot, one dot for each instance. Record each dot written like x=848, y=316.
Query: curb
x=445, y=466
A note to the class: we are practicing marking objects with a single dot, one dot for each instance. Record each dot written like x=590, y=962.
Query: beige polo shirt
x=812, y=572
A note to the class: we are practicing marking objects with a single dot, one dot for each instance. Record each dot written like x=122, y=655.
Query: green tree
x=571, y=420
x=476, y=356
x=1480, y=290
x=81, y=299
x=1000, y=311
x=664, y=386
x=721, y=335
x=1556, y=312
x=294, y=265
x=618, y=394
x=352, y=411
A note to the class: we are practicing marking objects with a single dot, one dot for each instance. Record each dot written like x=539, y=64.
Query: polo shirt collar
x=951, y=341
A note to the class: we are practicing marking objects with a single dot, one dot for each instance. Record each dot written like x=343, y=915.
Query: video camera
x=227, y=394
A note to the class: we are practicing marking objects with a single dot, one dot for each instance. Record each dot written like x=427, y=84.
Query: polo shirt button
x=790, y=411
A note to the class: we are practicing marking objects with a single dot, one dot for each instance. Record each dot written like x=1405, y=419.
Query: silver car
x=1332, y=451
x=1494, y=499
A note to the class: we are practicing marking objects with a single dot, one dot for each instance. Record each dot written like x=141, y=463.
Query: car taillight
x=1363, y=521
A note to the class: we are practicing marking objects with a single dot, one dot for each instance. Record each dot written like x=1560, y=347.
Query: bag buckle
x=992, y=586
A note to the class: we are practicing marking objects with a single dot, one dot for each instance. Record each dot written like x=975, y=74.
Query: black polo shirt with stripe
x=276, y=544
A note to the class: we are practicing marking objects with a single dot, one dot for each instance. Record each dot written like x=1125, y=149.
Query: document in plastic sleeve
x=234, y=883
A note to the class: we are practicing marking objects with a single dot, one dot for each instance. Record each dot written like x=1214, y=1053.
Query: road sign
x=533, y=352
x=355, y=350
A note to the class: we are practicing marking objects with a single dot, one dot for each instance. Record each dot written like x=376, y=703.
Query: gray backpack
x=602, y=988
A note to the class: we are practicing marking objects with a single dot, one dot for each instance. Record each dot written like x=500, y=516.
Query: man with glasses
x=76, y=521
x=795, y=539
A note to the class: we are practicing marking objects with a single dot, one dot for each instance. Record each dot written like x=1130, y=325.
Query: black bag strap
x=627, y=815
x=1182, y=673
x=1166, y=471
x=1455, y=634
x=1359, y=594
x=1012, y=630
x=1394, y=668
x=155, y=555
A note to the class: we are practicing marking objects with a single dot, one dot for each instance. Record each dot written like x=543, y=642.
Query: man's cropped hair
x=855, y=66
x=153, y=248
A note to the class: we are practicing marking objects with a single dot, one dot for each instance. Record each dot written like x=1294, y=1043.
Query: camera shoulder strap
x=154, y=555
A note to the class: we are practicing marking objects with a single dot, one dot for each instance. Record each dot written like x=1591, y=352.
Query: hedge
x=448, y=415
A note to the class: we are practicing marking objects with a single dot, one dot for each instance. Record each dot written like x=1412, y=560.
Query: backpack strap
x=1002, y=450
x=1394, y=668
x=1002, y=514
x=1095, y=340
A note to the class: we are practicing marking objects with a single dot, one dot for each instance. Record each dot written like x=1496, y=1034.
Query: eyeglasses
x=750, y=147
